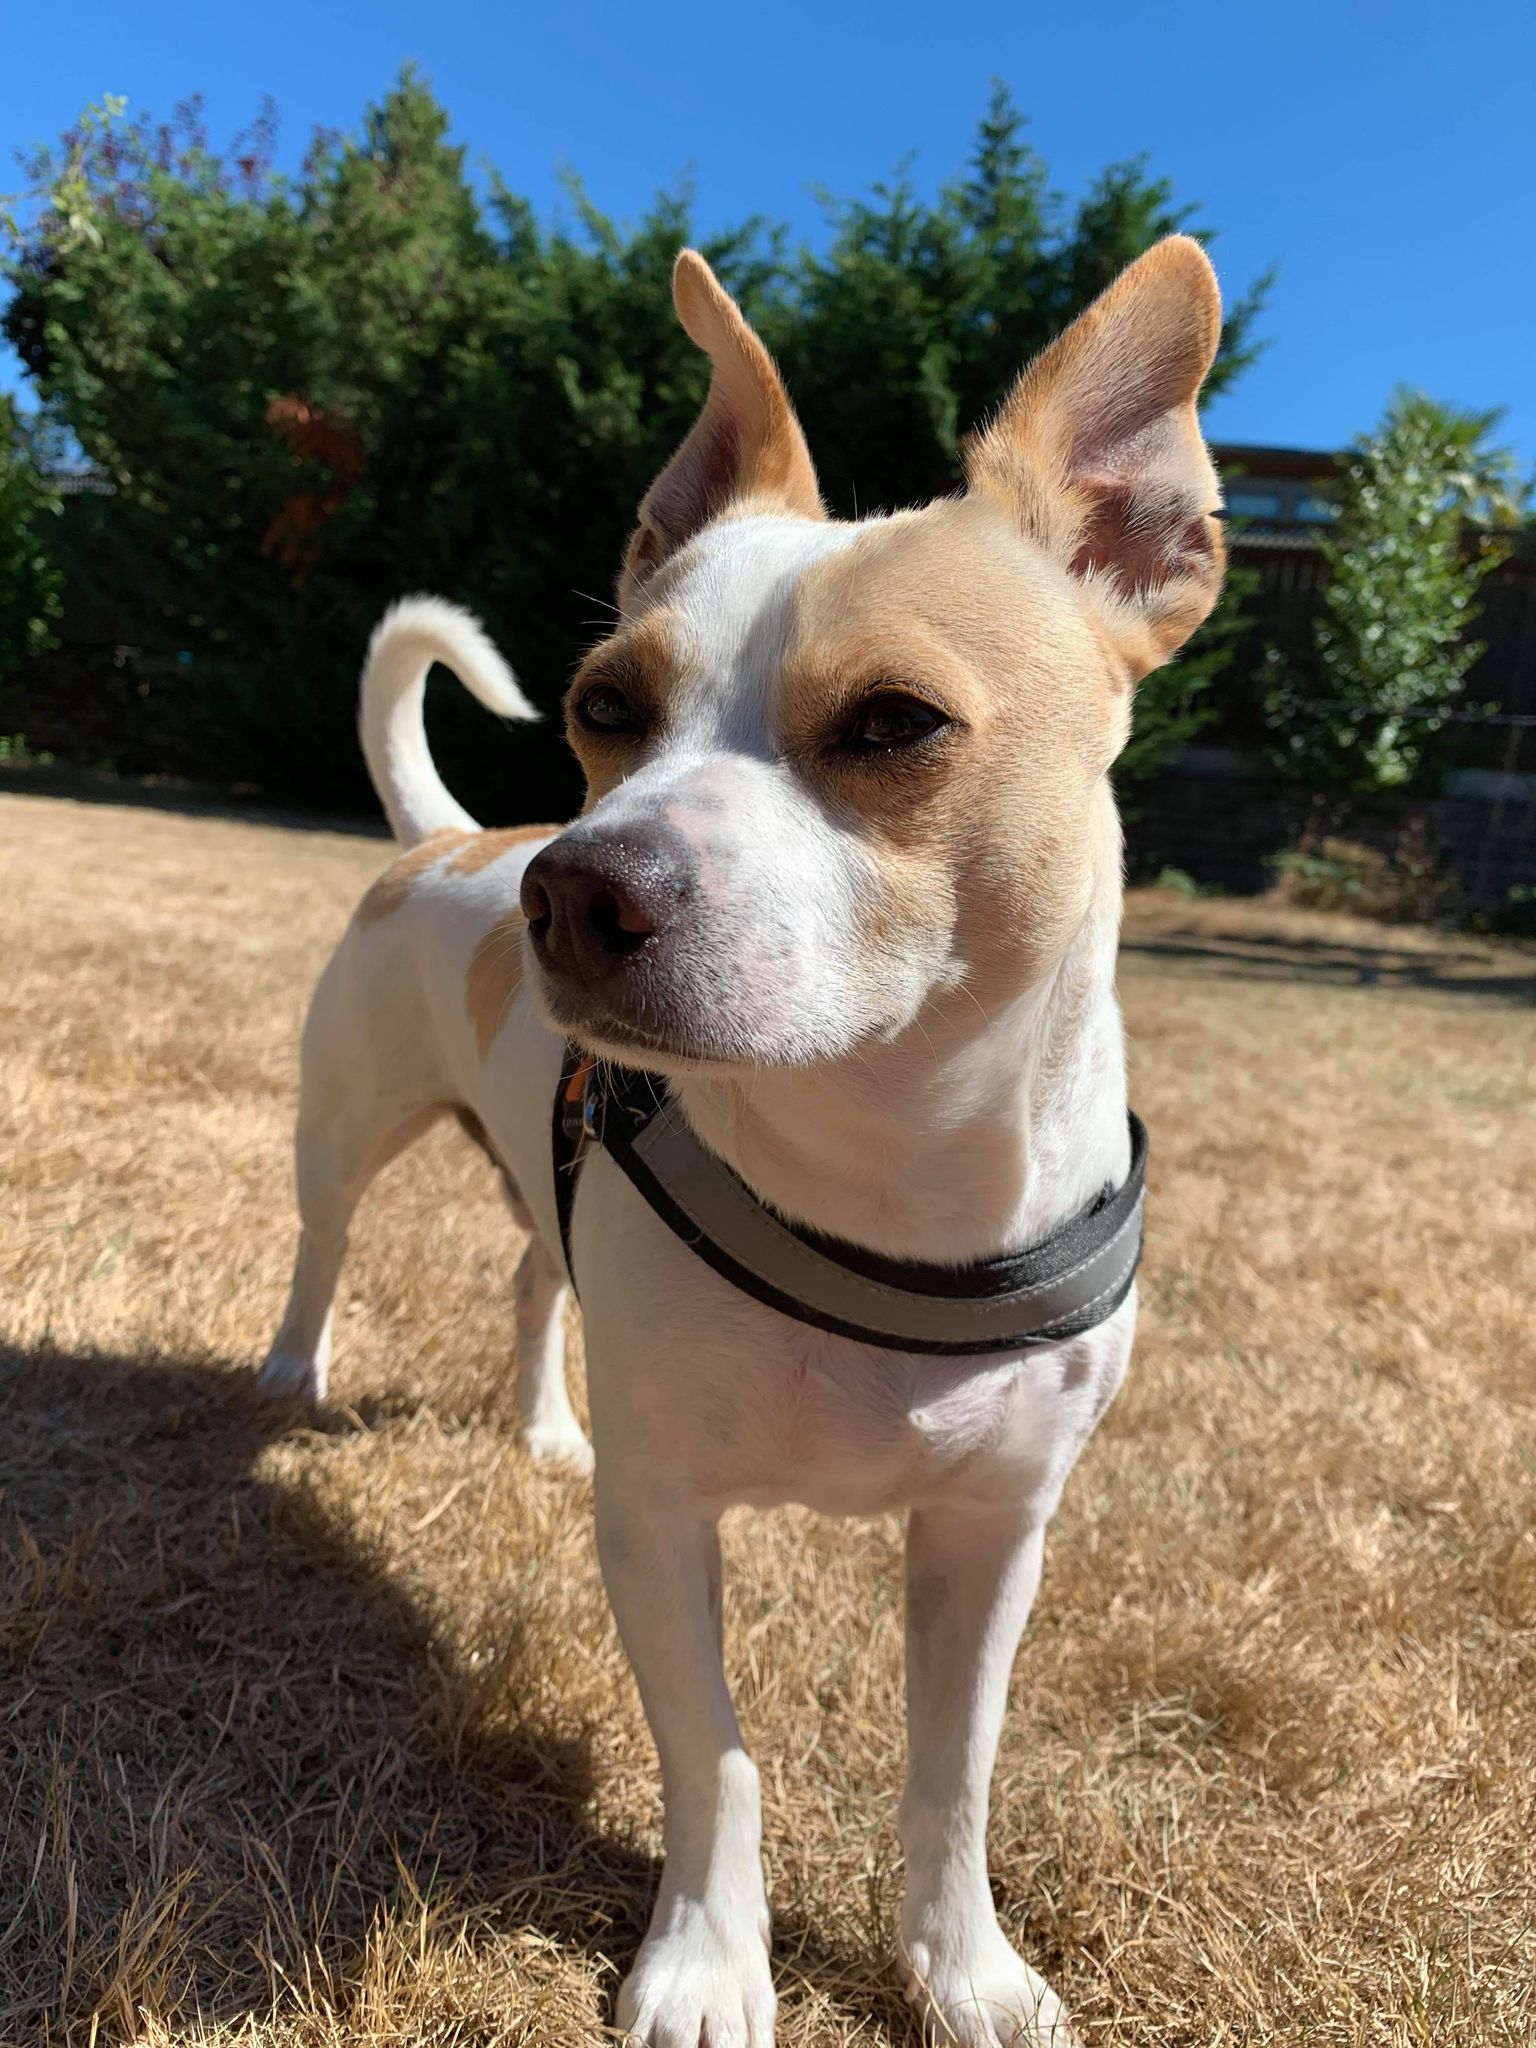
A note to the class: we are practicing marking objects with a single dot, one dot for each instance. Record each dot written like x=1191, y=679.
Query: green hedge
x=313, y=395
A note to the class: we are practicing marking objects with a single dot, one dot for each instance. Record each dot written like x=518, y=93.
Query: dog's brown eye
x=605, y=708
x=890, y=720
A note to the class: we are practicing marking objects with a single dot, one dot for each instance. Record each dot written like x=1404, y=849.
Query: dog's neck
x=947, y=1145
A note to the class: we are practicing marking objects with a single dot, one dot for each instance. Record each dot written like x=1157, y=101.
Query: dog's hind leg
x=365, y=1094
x=335, y=1162
x=546, y=1422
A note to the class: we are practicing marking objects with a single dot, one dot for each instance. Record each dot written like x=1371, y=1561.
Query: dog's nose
x=593, y=903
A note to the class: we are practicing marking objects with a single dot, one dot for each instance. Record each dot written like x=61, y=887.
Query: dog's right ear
x=1096, y=453
x=745, y=444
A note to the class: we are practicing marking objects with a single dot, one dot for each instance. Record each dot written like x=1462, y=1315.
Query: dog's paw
x=558, y=1447
x=982, y=1995
x=291, y=1376
x=698, y=1982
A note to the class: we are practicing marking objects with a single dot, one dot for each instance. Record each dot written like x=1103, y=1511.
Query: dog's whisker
x=965, y=988
x=928, y=1041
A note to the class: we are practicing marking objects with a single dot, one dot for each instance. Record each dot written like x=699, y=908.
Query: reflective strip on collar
x=754, y=1247
x=1068, y=1282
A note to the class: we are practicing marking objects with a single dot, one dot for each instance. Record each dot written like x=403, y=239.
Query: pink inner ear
x=1140, y=530
x=700, y=480
x=1101, y=544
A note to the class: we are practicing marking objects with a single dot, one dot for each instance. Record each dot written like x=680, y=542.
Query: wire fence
x=1485, y=865
x=1517, y=719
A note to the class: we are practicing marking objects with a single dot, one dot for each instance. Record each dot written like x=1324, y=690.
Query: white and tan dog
x=849, y=876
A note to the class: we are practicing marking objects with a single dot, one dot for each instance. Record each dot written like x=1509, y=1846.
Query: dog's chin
x=677, y=1051
x=676, y=1045
x=676, y=1060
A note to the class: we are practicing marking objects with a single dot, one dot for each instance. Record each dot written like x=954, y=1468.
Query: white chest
x=712, y=1392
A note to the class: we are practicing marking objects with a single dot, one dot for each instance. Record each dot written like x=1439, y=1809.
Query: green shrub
x=1392, y=645
x=1515, y=917
x=313, y=396
x=29, y=575
x=1332, y=872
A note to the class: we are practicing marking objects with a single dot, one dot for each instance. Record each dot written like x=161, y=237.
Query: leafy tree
x=29, y=576
x=912, y=327
x=311, y=395
x=1421, y=505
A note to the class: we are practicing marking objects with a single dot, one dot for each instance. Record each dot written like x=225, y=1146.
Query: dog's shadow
x=231, y=1746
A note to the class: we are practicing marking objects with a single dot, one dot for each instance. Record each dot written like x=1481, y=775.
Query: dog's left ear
x=1097, y=452
x=745, y=444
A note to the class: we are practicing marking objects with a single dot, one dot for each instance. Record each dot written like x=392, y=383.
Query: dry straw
x=319, y=1734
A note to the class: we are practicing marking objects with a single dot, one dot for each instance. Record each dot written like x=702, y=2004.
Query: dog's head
x=849, y=779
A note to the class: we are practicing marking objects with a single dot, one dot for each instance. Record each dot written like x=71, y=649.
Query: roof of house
x=1312, y=464
x=1291, y=540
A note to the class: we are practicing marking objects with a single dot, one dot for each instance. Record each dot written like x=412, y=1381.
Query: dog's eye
x=889, y=720
x=605, y=708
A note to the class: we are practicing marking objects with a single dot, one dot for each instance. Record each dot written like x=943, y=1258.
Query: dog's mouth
x=607, y=1038
x=678, y=1051
x=638, y=951
x=644, y=1023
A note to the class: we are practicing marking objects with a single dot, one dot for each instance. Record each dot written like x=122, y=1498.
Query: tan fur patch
x=480, y=849
x=989, y=832
x=746, y=444
x=1097, y=455
x=400, y=877
x=475, y=850
x=494, y=977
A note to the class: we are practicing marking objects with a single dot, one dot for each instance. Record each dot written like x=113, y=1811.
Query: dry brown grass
x=321, y=1735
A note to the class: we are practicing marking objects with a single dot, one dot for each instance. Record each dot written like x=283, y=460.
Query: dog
x=847, y=884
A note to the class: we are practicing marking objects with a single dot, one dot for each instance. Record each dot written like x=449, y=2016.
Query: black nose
x=594, y=903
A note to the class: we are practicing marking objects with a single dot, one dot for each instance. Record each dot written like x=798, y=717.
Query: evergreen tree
x=313, y=395
x=29, y=575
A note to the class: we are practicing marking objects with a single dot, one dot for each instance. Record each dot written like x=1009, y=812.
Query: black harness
x=1062, y=1285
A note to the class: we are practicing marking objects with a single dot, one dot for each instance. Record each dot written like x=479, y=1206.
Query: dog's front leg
x=971, y=1578
x=702, y=1972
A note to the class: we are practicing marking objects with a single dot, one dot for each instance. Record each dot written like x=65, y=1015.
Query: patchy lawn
x=322, y=1735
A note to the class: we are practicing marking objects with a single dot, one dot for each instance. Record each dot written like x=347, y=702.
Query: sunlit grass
x=321, y=1735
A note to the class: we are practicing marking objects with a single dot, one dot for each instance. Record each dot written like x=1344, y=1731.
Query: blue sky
x=1376, y=151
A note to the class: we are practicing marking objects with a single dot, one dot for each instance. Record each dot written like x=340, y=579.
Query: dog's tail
x=411, y=636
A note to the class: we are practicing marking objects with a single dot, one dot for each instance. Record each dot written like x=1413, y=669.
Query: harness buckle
x=578, y=1106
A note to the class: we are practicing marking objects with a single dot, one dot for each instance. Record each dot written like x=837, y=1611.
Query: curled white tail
x=407, y=640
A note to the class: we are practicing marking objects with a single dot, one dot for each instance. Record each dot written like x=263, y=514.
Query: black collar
x=1064, y=1284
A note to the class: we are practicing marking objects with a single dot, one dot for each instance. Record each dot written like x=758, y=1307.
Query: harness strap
x=568, y=1138
x=1065, y=1283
